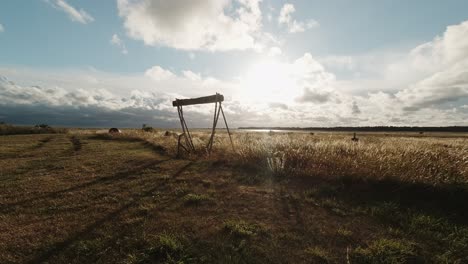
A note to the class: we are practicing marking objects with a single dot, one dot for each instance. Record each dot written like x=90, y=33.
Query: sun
x=269, y=81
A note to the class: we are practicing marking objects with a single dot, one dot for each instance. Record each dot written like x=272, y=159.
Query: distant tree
x=147, y=128
x=43, y=126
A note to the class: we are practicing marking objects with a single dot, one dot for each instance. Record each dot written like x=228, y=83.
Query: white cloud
x=432, y=77
x=191, y=75
x=194, y=24
x=313, y=98
x=274, y=51
x=80, y=16
x=294, y=26
x=317, y=84
x=436, y=55
x=429, y=87
x=2, y=29
x=285, y=13
x=63, y=97
x=437, y=71
x=447, y=86
x=116, y=41
x=12, y=93
x=159, y=74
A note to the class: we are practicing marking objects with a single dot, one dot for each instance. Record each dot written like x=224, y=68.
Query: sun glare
x=269, y=81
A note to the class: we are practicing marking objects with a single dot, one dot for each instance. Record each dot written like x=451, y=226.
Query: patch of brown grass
x=322, y=198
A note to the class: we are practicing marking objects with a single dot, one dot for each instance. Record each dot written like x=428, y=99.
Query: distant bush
x=6, y=129
x=147, y=128
x=44, y=126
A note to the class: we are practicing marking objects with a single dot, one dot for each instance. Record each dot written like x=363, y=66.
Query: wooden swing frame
x=188, y=146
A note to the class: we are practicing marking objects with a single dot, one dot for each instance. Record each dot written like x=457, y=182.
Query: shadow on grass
x=63, y=245
x=446, y=200
x=155, y=147
x=98, y=181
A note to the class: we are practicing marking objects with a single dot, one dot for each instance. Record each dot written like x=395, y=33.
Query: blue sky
x=334, y=59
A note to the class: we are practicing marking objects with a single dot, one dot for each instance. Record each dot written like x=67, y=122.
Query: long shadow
x=447, y=200
x=61, y=246
x=155, y=147
x=26, y=152
x=102, y=180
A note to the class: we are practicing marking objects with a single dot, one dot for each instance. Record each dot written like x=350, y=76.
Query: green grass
x=87, y=198
x=388, y=251
x=318, y=254
x=240, y=228
x=344, y=232
x=195, y=199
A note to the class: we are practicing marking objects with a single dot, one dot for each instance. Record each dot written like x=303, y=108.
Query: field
x=87, y=197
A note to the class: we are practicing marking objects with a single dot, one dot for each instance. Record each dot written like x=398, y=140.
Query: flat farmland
x=85, y=197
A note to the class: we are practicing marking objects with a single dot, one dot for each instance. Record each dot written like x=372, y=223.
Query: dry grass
x=283, y=198
x=429, y=160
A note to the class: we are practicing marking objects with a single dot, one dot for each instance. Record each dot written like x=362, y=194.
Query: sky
x=278, y=63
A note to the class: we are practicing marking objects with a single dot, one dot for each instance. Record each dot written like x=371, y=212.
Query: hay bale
x=114, y=130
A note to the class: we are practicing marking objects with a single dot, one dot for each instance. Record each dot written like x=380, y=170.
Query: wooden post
x=227, y=127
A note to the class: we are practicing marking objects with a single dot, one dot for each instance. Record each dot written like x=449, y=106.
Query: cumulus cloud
x=278, y=105
x=159, y=74
x=85, y=107
x=444, y=87
x=314, y=96
x=80, y=16
x=429, y=87
x=213, y=25
x=116, y=41
x=63, y=97
x=274, y=51
x=317, y=83
x=294, y=26
x=437, y=70
x=192, y=76
x=408, y=85
x=11, y=93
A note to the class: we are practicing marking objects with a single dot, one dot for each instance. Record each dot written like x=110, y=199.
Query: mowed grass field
x=84, y=197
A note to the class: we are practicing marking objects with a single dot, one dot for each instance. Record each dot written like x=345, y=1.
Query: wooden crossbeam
x=217, y=98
